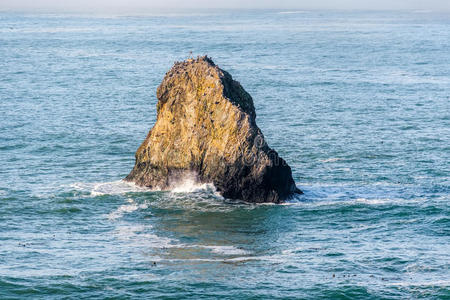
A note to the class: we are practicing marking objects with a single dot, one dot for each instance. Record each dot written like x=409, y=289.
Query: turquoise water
x=357, y=103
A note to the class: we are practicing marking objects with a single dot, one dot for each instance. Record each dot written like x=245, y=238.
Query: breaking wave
x=108, y=188
x=190, y=185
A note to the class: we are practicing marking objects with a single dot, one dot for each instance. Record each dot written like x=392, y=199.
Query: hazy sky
x=137, y=5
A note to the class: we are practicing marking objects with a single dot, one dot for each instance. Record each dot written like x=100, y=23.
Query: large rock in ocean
x=206, y=130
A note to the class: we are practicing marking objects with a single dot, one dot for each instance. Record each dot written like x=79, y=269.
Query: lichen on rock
x=206, y=126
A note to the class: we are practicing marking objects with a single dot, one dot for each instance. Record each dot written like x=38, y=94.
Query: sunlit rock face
x=206, y=130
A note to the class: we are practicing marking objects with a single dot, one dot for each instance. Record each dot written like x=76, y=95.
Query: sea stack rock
x=206, y=130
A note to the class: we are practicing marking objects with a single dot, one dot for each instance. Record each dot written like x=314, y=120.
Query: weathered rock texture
x=206, y=128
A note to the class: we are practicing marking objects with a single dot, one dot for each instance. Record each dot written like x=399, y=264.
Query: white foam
x=225, y=250
x=137, y=235
x=424, y=283
x=141, y=235
x=373, y=201
x=271, y=258
x=291, y=251
x=127, y=208
x=190, y=184
x=223, y=260
x=108, y=188
x=332, y=159
x=333, y=200
x=416, y=267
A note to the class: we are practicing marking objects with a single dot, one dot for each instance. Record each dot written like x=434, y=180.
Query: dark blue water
x=357, y=103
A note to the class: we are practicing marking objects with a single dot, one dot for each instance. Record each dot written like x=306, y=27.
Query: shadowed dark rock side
x=206, y=130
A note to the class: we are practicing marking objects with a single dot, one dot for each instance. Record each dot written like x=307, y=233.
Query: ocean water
x=358, y=103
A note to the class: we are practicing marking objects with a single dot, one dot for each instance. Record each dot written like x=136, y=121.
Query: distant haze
x=142, y=5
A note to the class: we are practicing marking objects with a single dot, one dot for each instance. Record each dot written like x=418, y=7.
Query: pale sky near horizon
x=146, y=5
